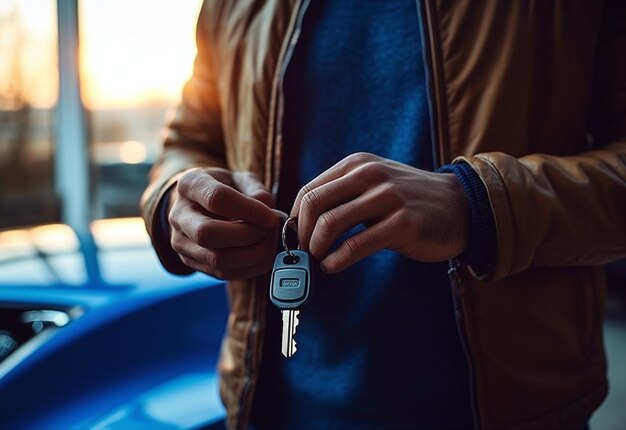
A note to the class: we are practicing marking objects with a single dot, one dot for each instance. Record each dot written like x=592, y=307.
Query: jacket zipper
x=436, y=137
x=429, y=85
x=457, y=289
x=278, y=132
x=275, y=172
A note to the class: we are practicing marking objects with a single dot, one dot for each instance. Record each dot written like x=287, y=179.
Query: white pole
x=72, y=159
x=72, y=153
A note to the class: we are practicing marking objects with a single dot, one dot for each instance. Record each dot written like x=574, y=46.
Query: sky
x=132, y=52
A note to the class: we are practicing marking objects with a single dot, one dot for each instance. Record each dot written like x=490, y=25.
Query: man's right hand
x=222, y=223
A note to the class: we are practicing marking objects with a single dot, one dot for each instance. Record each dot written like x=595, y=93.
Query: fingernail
x=323, y=267
x=282, y=215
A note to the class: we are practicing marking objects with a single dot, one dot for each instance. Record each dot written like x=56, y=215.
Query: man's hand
x=222, y=223
x=420, y=214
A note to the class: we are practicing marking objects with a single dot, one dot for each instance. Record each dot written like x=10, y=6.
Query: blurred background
x=80, y=123
x=133, y=60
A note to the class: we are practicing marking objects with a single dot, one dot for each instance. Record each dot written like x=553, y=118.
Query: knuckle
x=303, y=192
x=199, y=236
x=404, y=216
x=175, y=243
x=407, y=221
x=402, y=220
x=205, y=257
x=310, y=200
x=387, y=189
x=373, y=171
x=186, y=261
x=351, y=245
x=214, y=261
x=172, y=219
x=213, y=196
x=389, y=196
x=396, y=196
x=327, y=222
x=177, y=214
x=187, y=182
x=202, y=235
x=358, y=158
x=261, y=195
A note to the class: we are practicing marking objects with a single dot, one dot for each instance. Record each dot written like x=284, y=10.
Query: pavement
x=612, y=413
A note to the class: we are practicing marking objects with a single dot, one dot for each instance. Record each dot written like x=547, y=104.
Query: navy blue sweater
x=377, y=344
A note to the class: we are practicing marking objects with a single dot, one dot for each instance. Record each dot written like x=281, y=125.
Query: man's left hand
x=420, y=214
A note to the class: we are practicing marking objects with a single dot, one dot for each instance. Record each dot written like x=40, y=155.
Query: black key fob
x=291, y=279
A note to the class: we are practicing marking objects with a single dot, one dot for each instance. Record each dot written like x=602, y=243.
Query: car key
x=289, y=289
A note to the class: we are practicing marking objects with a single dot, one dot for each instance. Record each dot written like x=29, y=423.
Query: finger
x=225, y=201
x=251, y=186
x=333, y=223
x=208, y=232
x=242, y=273
x=223, y=175
x=229, y=259
x=357, y=247
x=239, y=272
x=217, y=262
x=323, y=199
x=337, y=171
x=212, y=233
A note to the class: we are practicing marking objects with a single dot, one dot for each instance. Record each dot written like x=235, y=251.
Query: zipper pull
x=454, y=274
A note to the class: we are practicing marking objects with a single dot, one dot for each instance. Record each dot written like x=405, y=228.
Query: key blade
x=290, y=322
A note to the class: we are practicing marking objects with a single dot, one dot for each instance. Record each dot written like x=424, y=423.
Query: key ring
x=284, y=234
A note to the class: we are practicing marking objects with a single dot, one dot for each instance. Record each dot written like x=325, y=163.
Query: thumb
x=248, y=184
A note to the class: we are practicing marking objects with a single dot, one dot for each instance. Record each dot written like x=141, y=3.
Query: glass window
x=135, y=58
x=28, y=93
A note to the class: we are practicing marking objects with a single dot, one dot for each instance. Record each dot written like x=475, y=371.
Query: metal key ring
x=284, y=234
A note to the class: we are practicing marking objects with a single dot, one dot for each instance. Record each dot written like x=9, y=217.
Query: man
x=342, y=113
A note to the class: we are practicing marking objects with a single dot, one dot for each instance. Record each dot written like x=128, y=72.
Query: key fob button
x=291, y=285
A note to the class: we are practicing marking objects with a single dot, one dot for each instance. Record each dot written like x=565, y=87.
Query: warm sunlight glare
x=136, y=52
x=115, y=232
x=28, y=52
x=133, y=53
x=54, y=238
x=132, y=152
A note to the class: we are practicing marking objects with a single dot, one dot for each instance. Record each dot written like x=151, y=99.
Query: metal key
x=290, y=285
x=289, y=289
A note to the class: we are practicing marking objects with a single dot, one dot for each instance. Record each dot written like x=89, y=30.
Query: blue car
x=105, y=337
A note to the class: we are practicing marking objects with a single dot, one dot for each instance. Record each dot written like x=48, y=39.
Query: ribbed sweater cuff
x=480, y=252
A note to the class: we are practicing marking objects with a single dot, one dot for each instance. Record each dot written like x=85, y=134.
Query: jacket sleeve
x=567, y=210
x=193, y=136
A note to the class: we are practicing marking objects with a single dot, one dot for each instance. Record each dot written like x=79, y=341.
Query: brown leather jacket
x=533, y=95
